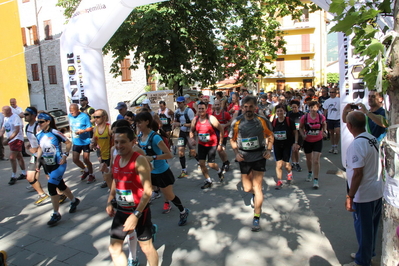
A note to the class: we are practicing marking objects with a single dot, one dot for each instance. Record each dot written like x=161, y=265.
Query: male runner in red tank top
x=132, y=189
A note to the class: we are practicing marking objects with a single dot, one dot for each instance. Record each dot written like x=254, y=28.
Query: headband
x=44, y=116
x=30, y=111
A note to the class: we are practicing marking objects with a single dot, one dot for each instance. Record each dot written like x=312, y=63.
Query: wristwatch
x=154, y=157
x=137, y=214
x=66, y=154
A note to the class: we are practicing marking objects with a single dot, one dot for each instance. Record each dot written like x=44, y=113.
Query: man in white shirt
x=19, y=112
x=12, y=127
x=2, y=155
x=365, y=188
x=331, y=108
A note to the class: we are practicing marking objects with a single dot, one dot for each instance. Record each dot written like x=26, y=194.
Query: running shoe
x=154, y=230
x=41, y=198
x=91, y=179
x=335, y=151
x=155, y=195
x=62, y=199
x=298, y=168
x=21, y=176
x=132, y=262
x=226, y=166
x=54, y=219
x=12, y=181
x=255, y=225
x=289, y=178
x=310, y=177
x=84, y=175
x=183, y=217
x=103, y=184
x=206, y=185
x=30, y=188
x=221, y=176
x=75, y=204
x=183, y=174
x=331, y=150
x=315, y=183
x=3, y=258
x=166, y=207
x=279, y=185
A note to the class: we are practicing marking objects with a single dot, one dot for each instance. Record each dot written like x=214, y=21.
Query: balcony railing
x=299, y=49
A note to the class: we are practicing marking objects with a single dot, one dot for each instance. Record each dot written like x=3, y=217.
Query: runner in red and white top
x=224, y=119
x=210, y=138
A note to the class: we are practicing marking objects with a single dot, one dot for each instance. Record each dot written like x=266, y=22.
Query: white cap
x=187, y=96
x=146, y=101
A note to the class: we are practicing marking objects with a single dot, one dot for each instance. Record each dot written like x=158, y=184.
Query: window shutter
x=23, y=37
x=35, y=37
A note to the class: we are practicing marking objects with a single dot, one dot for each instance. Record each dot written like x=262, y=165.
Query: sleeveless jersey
x=104, y=142
x=223, y=118
x=129, y=189
x=207, y=135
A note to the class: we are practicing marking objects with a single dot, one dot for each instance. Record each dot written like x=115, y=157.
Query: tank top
x=104, y=142
x=206, y=133
x=128, y=186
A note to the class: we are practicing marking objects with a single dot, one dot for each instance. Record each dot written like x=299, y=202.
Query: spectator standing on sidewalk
x=80, y=130
x=12, y=127
x=332, y=112
x=365, y=192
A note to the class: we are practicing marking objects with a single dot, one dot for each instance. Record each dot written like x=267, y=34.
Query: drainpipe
x=40, y=57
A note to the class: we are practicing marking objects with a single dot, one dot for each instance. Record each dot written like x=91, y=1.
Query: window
x=52, y=75
x=33, y=39
x=305, y=63
x=23, y=32
x=126, y=73
x=35, y=72
x=305, y=43
x=280, y=64
x=305, y=15
x=47, y=30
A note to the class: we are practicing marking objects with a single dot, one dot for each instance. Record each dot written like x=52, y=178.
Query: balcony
x=299, y=49
x=303, y=23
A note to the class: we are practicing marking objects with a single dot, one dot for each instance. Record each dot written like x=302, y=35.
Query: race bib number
x=125, y=198
x=180, y=142
x=297, y=126
x=164, y=120
x=204, y=137
x=313, y=132
x=32, y=159
x=49, y=159
x=251, y=143
x=280, y=135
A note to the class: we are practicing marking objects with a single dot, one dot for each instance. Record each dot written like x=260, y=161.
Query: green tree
x=380, y=47
x=201, y=41
x=332, y=77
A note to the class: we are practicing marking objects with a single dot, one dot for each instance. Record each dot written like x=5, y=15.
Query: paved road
x=300, y=225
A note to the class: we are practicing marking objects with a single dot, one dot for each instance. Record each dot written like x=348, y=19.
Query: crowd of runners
x=255, y=128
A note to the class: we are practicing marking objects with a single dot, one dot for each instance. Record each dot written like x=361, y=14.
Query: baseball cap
x=121, y=105
x=146, y=101
x=180, y=99
x=84, y=98
x=186, y=96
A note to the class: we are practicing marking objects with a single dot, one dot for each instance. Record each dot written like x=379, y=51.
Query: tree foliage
x=332, y=77
x=202, y=41
x=360, y=20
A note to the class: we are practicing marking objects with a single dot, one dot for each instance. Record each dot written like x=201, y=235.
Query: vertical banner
x=351, y=86
x=89, y=29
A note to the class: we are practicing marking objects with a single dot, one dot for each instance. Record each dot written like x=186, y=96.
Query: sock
x=23, y=172
x=13, y=175
x=256, y=215
x=56, y=212
x=176, y=201
x=86, y=170
x=219, y=171
x=209, y=180
x=73, y=200
x=132, y=244
x=182, y=162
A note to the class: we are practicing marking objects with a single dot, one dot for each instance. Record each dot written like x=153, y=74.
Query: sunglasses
x=41, y=121
x=97, y=116
x=26, y=114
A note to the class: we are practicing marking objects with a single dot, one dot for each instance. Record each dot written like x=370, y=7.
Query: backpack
x=178, y=114
x=223, y=118
x=287, y=120
x=148, y=147
x=260, y=120
x=34, y=128
x=307, y=127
